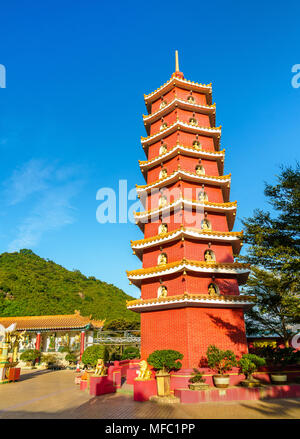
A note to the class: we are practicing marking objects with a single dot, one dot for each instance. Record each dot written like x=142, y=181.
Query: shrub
x=220, y=361
x=165, y=360
x=249, y=363
x=93, y=353
x=71, y=358
x=49, y=359
x=197, y=377
x=130, y=353
x=278, y=357
x=30, y=356
x=64, y=349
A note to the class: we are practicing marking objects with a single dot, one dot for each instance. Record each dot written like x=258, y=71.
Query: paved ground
x=53, y=394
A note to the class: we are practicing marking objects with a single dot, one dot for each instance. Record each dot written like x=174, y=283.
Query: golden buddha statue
x=163, y=126
x=163, y=173
x=163, y=228
x=200, y=170
x=196, y=144
x=208, y=256
x=212, y=290
x=163, y=201
x=162, y=259
x=193, y=121
x=163, y=104
x=206, y=225
x=163, y=149
x=191, y=99
x=202, y=196
x=162, y=291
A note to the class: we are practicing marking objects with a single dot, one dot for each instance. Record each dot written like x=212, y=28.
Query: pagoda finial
x=176, y=61
x=177, y=73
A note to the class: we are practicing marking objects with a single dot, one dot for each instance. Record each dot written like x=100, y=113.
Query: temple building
x=189, y=281
x=52, y=333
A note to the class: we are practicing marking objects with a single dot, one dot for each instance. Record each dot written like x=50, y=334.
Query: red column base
x=142, y=390
x=101, y=385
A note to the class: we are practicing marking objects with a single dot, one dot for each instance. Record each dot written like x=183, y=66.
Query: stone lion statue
x=100, y=369
x=144, y=373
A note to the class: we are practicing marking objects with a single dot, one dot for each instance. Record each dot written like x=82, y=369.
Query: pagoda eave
x=209, y=110
x=184, y=233
x=214, y=132
x=241, y=271
x=191, y=300
x=223, y=181
x=185, y=151
x=182, y=83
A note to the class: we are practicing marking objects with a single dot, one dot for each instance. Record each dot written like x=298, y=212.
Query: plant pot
x=221, y=381
x=279, y=378
x=163, y=383
x=198, y=386
x=250, y=383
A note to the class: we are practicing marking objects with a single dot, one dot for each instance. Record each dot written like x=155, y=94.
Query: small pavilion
x=52, y=333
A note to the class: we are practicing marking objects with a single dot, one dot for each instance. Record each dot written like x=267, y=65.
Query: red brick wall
x=191, y=330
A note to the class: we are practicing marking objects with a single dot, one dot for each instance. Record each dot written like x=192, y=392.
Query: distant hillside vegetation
x=30, y=285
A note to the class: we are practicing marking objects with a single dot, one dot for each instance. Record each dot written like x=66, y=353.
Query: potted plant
x=197, y=381
x=249, y=363
x=164, y=361
x=278, y=359
x=221, y=362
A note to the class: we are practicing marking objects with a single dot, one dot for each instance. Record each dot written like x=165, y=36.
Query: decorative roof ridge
x=222, y=297
x=174, y=80
x=178, y=146
x=183, y=171
x=184, y=124
x=182, y=101
x=183, y=263
x=180, y=231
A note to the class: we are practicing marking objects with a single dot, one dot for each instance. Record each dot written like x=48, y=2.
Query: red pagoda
x=189, y=281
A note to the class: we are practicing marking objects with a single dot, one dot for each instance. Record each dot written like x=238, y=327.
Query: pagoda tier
x=189, y=278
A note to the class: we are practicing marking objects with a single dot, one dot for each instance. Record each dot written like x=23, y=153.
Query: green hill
x=30, y=285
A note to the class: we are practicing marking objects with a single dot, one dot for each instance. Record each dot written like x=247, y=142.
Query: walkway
x=53, y=395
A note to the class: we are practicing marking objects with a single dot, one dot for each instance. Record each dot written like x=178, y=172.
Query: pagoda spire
x=177, y=73
x=176, y=61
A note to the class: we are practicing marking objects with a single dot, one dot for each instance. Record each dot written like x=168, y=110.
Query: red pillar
x=38, y=341
x=82, y=342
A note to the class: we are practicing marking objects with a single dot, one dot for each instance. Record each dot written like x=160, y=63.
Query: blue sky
x=71, y=114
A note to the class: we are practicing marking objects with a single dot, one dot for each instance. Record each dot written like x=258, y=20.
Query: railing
x=118, y=337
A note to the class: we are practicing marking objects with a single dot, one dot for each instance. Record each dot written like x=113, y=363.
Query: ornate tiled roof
x=188, y=230
x=203, y=109
x=186, y=299
x=63, y=321
x=210, y=179
x=198, y=152
x=184, y=83
x=215, y=131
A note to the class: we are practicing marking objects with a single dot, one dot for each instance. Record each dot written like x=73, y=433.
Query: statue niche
x=162, y=259
x=205, y=224
x=163, y=149
x=202, y=196
x=163, y=173
x=197, y=145
x=162, y=201
x=209, y=256
x=200, y=170
x=162, y=291
x=213, y=289
x=163, y=228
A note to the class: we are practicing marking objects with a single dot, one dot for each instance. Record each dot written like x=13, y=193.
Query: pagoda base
x=190, y=330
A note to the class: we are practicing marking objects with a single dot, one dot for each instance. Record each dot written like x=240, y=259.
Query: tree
x=249, y=363
x=273, y=249
x=92, y=353
x=130, y=353
x=121, y=325
x=30, y=355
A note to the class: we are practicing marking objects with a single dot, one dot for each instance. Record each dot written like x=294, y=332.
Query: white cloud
x=48, y=190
